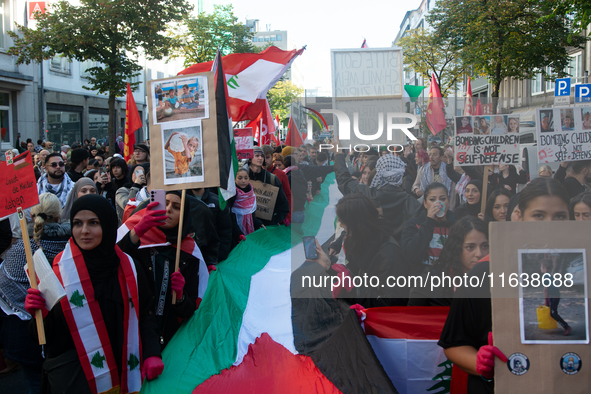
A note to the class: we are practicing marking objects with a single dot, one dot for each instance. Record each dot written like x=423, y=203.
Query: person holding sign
x=466, y=337
x=243, y=205
x=108, y=313
x=257, y=172
x=575, y=185
x=51, y=237
x=156, y=231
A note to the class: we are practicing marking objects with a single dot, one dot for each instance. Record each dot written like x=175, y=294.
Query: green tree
x=198, y=39
x=501, y=39
x=427, y=53
x=112, y=32
x=579, y=11
x=281, y=96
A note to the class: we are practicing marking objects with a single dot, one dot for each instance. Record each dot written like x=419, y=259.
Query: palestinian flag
x=405, y=341
x=249, y=77
x=412, y=92
x=250, y=336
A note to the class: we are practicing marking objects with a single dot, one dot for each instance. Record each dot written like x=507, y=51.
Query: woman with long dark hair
x=370, y=251
x=497, y=206
x=466, y=245
x=424, y=235
x=98, y=325
x=580, y=206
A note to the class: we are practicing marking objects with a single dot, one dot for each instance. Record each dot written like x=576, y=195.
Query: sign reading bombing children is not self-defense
x=564, y=134
x=486, y=140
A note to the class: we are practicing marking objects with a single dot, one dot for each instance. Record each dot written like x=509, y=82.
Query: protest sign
x=244, y=143
x=19, y=186
x=486, y=140
x=520, y=254
x=564, y=134
x=266, y=198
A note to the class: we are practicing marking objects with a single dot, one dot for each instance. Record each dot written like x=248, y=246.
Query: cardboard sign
x=266, y=199
x=244, y=143
x=549, y=361
x=486, y=140
x=564, y=134
x=19, y=186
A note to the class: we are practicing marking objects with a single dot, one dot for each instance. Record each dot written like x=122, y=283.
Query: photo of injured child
x=181, y=99
x=183, y=154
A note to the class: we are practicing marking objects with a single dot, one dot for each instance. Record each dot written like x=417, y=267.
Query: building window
x=98, y=126
x=575, y=68
x=278, y=37
x=548, y=83
x=272, y=38
x=2, y=24
x=159, y=75
x=60, y=64
x=536, y=84
x=63, y=127
x=85, y=65
x=5, y=129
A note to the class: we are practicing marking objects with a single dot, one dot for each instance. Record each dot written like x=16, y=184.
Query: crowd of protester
x=402, y=213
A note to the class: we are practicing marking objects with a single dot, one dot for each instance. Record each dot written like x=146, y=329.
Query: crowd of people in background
x=410, y=212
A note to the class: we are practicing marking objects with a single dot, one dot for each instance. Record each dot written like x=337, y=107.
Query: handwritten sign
x=19, y=186
x=564, y=134
x=487, y=140
x=266, y=198
x=244, y=143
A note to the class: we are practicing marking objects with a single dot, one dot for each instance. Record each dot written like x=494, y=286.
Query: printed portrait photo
x=463, y=125
x=481, y=125
x=586, y=118
x=180, y=99
x=182, y=154
x=546, y=121
x=498, y=124
x=567, y=120
x=512, y=124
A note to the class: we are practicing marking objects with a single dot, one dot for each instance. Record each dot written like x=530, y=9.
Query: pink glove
x=485, y=359
x=211, y=268
x=34, y=301
x=177, y=283
x=287, y=222
x=343, y=272
x=242, y=237
x=152, y=368
x=358, y=309
x=150, y=219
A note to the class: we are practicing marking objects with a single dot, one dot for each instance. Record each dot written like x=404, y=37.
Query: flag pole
x=32, y=275
x=179, y=240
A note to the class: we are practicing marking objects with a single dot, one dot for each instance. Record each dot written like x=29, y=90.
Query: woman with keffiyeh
x=243, y=207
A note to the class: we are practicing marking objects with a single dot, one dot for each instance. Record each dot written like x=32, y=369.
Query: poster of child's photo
x=546, y=120
x=586, y=118
x=463, y=125
x=512, y=124
x=498, y=125
x=180, y=99
x=183, y=153
x=567, y=120
x=481, y=125
x=553, y=296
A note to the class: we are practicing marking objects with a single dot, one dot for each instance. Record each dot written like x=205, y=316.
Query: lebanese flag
x=293, y=137
x=435, y=116
x=250, y=335
x=249, y=76
x=468, y=104
x=263, y=126
x=478, y=111
x=132, y=123
x=405, y=341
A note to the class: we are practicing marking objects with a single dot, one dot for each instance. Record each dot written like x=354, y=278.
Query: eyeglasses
x=54, y=164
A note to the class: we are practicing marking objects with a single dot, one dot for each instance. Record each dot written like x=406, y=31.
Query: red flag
x=478, y=109
x=263, y=126
x=364, y=45
x=293, y=135
x=132, y=123
x=468, y=103
x=249, y=76
x=435, y=116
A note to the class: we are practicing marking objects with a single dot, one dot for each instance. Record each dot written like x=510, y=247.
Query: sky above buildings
x=324, y=25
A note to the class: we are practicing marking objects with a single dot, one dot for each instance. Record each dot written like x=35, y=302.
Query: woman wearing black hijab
x=473, y=195
x=98, y=325
x=156, y=231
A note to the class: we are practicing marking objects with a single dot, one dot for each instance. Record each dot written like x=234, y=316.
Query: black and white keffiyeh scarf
x=389, y=170
x=61, y=191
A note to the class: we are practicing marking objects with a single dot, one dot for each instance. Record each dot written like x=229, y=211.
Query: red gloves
x=177, y=283
x=152, y=368
x=286, y=222
x=485, y=359
x=34, y=301
x=211, y=268
x=150, y=219
x=242, y=237
x=358, y=309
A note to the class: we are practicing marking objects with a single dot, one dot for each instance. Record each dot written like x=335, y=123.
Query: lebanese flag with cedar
x=249, y=77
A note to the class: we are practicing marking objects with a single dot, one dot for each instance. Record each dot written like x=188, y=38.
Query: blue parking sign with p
x=562, y=87
x=583, y=93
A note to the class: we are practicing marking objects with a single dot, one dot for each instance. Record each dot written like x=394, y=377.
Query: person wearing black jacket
x=507, y=178
x=256, y=172
x=79, y=161
x=221, y=220
x=299, y=188
x=5, y=235
x=312, y=173
x=575, y=185
x=206, y=235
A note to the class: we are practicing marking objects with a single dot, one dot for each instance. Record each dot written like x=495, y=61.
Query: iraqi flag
x=249, y=77
x=250, y=336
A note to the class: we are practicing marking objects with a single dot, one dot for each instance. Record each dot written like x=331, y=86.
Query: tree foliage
x=579, y=11
x=501, y=38
x=199, y=38
x=281, y=96
x=425, y=53
x=111, y=32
